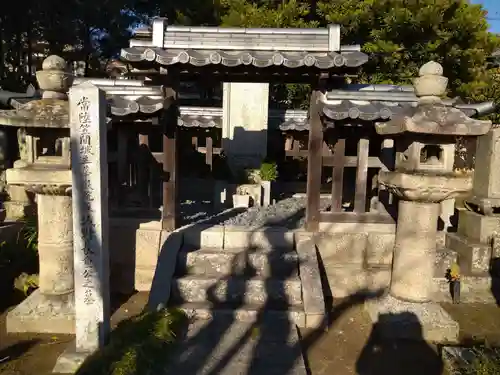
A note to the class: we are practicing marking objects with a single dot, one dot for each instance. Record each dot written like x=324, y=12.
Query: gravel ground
x=288, y=213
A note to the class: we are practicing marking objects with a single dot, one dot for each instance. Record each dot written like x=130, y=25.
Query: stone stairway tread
x=199, y=288
x=277, y=250
x=244, y=313
x=227, y=347
x=219, y=262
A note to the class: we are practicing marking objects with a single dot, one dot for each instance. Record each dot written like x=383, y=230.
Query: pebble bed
x=289, y=213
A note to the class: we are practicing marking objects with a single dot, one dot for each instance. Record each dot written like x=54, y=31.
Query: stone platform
x=396, y=319
x=223, y=346
x=39, y=314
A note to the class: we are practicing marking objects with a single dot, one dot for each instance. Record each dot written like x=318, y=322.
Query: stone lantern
x=44, y=169
x=422, y=179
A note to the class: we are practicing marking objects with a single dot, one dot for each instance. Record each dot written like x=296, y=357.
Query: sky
x=493, y=8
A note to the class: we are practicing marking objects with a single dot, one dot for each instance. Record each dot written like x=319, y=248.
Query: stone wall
x=134, y=250
x=356, y=257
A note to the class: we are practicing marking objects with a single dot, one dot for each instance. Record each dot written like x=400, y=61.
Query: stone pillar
x=50, y=309
x=414, y=251
x=90, y=225
x=55, y=244
x=244, y=123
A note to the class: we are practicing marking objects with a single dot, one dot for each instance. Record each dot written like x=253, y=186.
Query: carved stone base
x=15, y=210
x=41, y=314
x=70, y=360
x=483, y=205
x=396, y=319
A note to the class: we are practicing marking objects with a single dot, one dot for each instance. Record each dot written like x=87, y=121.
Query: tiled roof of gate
x=374, y=103
x=352, y=102
x=259, y=59
x=237, y=46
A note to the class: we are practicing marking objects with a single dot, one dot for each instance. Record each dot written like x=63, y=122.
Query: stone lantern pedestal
x=422, y=180
x=45, y=170
x=50, y=309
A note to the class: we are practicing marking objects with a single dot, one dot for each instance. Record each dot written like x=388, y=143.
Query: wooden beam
x=169, y=213
x=209, y=154
x=361, y=176
x=329, y=160
x=314, y=162
x=338, y=175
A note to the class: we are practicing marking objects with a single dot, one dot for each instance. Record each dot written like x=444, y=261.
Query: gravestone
x=90, y=224
x=244, y=128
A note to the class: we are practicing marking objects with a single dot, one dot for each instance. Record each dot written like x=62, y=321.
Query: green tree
x=400, y=36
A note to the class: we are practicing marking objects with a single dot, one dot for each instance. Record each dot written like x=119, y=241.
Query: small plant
x=486, y=362
x=268, y=171
x=30, y=233
x=26, y=283
x=138, y=345
x=453, y=277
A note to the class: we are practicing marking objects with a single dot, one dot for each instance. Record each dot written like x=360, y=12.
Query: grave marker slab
x=90, y=224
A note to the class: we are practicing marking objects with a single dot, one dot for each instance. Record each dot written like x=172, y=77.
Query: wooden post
x=209, y=151
x=314, y=160
x=361, y=176
x=169, y=122
x=338, y=175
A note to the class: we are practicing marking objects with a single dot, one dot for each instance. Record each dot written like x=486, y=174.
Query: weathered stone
x=90, y=212
x=312, y=291
x=43, y=314
x=256, y=291
x=201, y=236
x=478, y=227
x=348, y=248
x=147, y=247
x=414, y=252
x=247, y=313
x=55, y=244
x=345, y=280
x=474, y=257
x=443, y=261
x=271, y=237
x=244, y=128
x=396, y=319
x=69, y=361
x=487, y=178
x=414, y=186
x=273, y=348
x=380, y=248
x=473, y=289
x=238, y=262
x=163, y=274
x=143, y=278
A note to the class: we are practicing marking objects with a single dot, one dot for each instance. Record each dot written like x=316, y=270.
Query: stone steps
x=247, y=313
x=227, y=347
x=261, y=262
x=242, y=284
x=473, y=257
x=237, y=289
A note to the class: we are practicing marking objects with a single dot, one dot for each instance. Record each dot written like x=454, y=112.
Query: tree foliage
x=399, y=35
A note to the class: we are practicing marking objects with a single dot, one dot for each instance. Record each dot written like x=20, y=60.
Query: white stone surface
x=244, y=122
x=90, y=213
